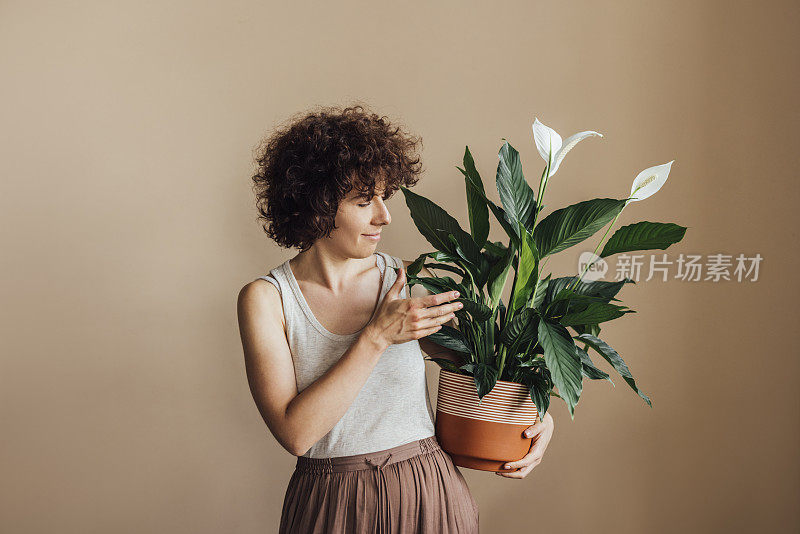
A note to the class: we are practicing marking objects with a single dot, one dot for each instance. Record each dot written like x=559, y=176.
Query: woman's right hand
x=400, y=320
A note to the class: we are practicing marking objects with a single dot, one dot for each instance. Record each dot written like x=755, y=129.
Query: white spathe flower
x=649, y=181
x=550, y=144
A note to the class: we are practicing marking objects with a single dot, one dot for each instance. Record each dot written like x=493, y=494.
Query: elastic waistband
x=378, y=459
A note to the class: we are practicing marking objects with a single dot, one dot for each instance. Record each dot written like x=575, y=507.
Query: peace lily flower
x=550, y=144
x=644, y=185
x=649, y=181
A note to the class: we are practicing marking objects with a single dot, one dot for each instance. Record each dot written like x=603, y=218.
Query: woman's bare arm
x=297, y=420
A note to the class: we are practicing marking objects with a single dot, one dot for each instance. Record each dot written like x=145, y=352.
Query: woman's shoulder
x=260, y=302
x=263, y=292
x=260, y=292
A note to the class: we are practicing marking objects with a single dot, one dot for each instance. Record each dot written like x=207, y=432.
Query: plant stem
x=510, y=310
x=545, y=262
x=539, y=270
x=540, y=192
x=536, y=285
x=471, y=285
x=540, y=195
x=594, y=253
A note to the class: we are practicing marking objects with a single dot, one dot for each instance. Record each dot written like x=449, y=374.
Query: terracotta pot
x=483, y=435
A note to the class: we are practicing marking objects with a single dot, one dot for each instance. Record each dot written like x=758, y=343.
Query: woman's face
x=358, y=216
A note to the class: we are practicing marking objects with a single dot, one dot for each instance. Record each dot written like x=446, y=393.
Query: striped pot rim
x=507, y=402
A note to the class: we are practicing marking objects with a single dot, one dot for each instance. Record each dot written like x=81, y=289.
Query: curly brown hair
x=311, y=163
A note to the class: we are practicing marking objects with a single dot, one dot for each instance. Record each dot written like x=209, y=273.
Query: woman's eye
x=385, y=197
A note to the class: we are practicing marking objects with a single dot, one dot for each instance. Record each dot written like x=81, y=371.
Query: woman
x=332, y=338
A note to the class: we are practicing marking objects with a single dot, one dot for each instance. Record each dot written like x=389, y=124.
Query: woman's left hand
x=541, y=432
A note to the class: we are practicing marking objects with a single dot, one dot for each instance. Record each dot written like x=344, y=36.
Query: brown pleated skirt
x=411, y=488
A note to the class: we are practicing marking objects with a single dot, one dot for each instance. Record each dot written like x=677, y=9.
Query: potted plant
x=513, y=358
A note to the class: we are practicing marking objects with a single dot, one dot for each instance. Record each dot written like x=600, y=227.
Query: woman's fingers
x=416, y=317
x=436, y=299
x=419, y=334
x=432, y=322
x=443, y=309
x=437, y=305
x=435, y=315
x=399, y=282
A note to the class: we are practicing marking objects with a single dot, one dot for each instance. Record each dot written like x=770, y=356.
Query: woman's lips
x=374, y=237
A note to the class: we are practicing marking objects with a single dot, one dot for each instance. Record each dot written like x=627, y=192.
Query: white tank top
x=393, y=406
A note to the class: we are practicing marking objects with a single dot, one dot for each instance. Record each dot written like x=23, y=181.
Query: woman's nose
x=383, y=214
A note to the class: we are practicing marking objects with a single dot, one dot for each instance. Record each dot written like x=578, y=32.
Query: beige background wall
x=128, y=228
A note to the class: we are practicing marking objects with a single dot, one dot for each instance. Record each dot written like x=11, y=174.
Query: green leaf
x=539, y=383
x=446, y=364
x=450, y=338
x=595, y=313
x=478, y=310
x=477, y=265
x=562, y=361
x=485, y=377
x=568, y=226
x=527, y=272
x=446, y=267
x=497, y=249
x=476, y=201
x=595, y=288
x=589, y=370
x=510, y=226
x=540, y=293
x=499, y=213
x=414, y=267
x=516, y=196
x=540, y=396
x=523, y=328
x=435, y=285
x=498, y=275
x=643, y=236
x=435, y=224
x=442, y=256
x=615, y=360
x=569, y=301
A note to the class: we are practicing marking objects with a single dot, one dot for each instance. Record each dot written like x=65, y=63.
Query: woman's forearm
x=316, y=410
